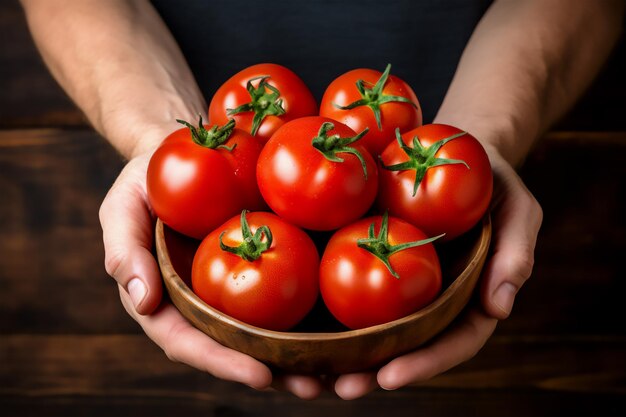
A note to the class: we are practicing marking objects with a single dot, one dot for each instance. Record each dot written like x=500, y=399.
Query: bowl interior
x=320, y=342
x=454, y=256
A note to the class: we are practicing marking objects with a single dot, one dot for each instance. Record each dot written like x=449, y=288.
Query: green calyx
x=421, y=158
x=214, y=138
x=380, y=247
x=373, y=96
x=265, y=101
x=252, y=246
x=330, y=146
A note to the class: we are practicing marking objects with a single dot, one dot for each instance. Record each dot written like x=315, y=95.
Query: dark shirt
x=321, y=39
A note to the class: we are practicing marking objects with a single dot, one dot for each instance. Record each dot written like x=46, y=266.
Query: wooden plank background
x=68, y=348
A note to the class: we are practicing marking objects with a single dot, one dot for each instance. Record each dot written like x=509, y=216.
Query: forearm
x=119, y=63
x=525, y=65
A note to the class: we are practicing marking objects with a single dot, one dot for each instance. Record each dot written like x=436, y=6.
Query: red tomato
x=199, y=178
x=367, y=280
x=261, y=98
x=258, y=269
x=313, y=173
x=366, y=98
x=440, y=180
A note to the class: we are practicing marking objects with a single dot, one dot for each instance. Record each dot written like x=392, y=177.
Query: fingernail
x=137, y=291
x=504, y=296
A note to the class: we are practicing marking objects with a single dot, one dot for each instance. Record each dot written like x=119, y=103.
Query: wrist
x=149, y=138
x=136, y=119
x=506, y=136
x=132, y=141
x=132, y=138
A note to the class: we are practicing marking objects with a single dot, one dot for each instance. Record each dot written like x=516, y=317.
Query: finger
x=356, y=385
x=456, y=346
x=127, y=229
x=183, y=343
x=303, y=386
x=517, y=219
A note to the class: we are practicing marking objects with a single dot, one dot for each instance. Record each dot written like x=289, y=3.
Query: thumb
x=517, y=219
x=127, y=230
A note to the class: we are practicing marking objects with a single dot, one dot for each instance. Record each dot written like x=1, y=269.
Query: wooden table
x=68, y=348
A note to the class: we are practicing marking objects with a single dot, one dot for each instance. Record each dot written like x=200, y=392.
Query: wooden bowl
x=320, y=345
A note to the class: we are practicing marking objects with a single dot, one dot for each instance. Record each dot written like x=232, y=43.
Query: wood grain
x=51, y=263
x=68, y=348
x=545, y=378
x=30, y=96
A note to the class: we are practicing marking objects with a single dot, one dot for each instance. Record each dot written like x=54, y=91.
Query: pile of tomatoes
x=270, y=167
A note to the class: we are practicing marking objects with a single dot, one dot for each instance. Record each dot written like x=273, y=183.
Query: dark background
x=68, y=348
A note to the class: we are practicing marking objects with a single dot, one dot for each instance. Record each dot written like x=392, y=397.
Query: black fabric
x=321, y=39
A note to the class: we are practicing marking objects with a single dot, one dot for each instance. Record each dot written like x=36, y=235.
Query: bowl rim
x=169, y=273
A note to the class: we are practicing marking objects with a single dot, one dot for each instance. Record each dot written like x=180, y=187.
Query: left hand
x=127, y=223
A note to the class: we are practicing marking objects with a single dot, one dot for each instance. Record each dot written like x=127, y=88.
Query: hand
x=516, y=220
x=128, y=224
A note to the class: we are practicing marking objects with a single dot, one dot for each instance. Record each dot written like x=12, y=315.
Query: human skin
x=524, y=66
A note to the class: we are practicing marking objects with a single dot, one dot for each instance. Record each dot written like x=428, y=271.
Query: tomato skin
x=342, y=91
x=451, y=199
x=297, y=99
x=243, y=160
x=273, y=292
x=308, y=190
x=360, y=291
x=194, y=189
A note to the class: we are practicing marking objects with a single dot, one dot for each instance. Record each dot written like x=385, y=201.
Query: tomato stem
x=262, y=102
x=373, y=97
x=214, y=138
x=380, y=247
x=330, y=146
x=421, y=159
x=252, y=246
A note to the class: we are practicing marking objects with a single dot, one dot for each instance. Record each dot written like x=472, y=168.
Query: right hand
x=128, y=224
x=517, y=218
